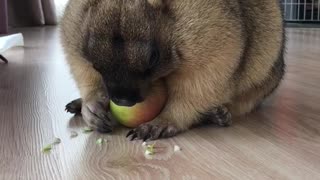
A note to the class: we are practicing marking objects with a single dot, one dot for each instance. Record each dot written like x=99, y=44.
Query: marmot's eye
x=154, y=58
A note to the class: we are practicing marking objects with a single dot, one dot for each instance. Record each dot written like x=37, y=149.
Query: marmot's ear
x=159, y=4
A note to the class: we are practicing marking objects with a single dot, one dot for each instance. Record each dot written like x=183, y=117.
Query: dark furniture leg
x=3, y=59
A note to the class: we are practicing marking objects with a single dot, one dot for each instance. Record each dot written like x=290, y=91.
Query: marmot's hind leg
x=252, y=98
x=219, y=116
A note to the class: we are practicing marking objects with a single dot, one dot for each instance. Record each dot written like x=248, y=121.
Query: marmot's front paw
x=153, y=130
x=97, y=115
x=94, y=112
x=74, y=106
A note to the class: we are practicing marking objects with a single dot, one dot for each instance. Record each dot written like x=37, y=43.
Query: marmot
x=218, y=58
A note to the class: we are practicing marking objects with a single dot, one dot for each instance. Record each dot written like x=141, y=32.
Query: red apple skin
x=142, y=112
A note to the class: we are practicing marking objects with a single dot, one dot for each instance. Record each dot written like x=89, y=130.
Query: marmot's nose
x=125, y=97
x=123, y=102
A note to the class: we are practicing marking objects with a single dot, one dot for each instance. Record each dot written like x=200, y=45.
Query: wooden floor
x=281, y=141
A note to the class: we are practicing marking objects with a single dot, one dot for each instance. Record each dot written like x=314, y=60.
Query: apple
x=142, y=112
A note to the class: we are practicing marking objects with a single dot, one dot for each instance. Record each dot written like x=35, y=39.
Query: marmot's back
x=265, y=38
x=262, y=66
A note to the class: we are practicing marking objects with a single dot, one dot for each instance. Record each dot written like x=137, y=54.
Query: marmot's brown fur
x=218, y=58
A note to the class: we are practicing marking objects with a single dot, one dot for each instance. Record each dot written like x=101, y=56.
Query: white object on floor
x=176, y=148
x=7, y=42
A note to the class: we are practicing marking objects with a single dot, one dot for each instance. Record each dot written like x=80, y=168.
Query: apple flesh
x=142, y=112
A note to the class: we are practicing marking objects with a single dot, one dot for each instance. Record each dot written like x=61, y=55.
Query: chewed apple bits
x=47, y=148
x=101, y=141
x=73, y=134
x=56, y=141
x=150, y=150
x=87, y=130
